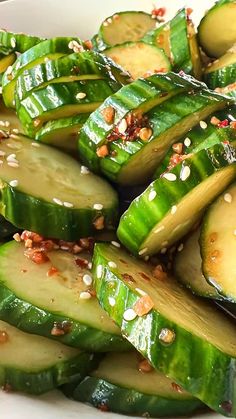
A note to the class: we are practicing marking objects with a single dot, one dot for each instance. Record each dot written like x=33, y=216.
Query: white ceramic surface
x=82, y=18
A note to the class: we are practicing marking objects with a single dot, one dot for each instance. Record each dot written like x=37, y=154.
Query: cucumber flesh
x=39, y=364
x=18, y=42
x=217, y=29
x=218, y=244
x=221, y=74
x=127, y=390
x=172, y=322
x=51, y=300
x=6, y=60
x=139, y=58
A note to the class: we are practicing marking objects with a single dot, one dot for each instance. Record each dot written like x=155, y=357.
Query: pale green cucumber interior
x=64, y=137
x=6, y=61
x=60, y=293
x=122, y=369
x=139, y=58
x=47, y=173
x=227, y=59
x=218, y=243
x=163, y=41
x=31, y=353
x=128, y=26
x=194, y=51
x=217, y=30
x=188, y=267
x=173, y=301
x=9, y=115
x=143, y=163
x=189, y=210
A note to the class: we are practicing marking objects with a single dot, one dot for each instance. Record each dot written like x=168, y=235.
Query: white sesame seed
x=84, y=295
x=152, y=195
x=34, y=144
x=228, y=198
x=11, y=157
x=9, y=70
x=13, y=164
x=112, y=264
x=180, y=248
x=173, y=209
x=105, y=23
x=114, y=243
x=13, y=42
x=141, y=292
x=142, y=251
x=7, y=124
x=2, y=123
x=68, y=204
x=98, y=207
x=57, y=201
x=99, y=271
x=84, y=170
x=87, y=280
x=129, y=314
x=185, y=173
x=170, y=176
x=203, y=124
x=2, y=153
x=90, y=265
x=13, y=146
x=112, y=301
x=164, y=250
x=159, y=229
x=80, y=95
x=187, y=142
x=122, y=126
x=109, y=20
x=15, y=131
x=13, y=183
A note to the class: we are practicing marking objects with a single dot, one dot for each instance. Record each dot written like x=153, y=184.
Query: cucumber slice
x=172, y=204
x=139, y=58
x=138, y=97
x=6, y=228
x=124, y=27
x=6, y=60
x=188, y=268
x=54, y=300
x=217, y=29
x=120, y=386
x=62, y=133
x=18, y=42
x=59, y=100
x=9, y=120
x=172, y=325
x=83, y=66
x=218, y=244
x=35, y=365
x=48, y=49
x=42, y=180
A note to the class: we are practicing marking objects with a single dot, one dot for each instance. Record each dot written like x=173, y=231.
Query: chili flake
x=108, y=114
x=3, y=337
x=144, y=366
x=102, y=151
x=143, y=306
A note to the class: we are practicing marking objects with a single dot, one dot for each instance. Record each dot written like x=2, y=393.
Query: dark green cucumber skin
x=43, y=100
x=74, y=369
x=22, y=42
x=222, y=78
x=127, y=99
x=203, y=138
x=77, y=64
x=98, y=393
x=6, y=228
x=134, y=227
x=194, y=376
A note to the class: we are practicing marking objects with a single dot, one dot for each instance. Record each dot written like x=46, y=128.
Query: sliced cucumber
x=6, y=228
x=54, y=306
x=188, y=268
x=81, y=66
x=35, y=365
x=62, y=133
x=172, y=204
x=218, y=244
x=6, y=60
x=18, y=42
x=217, y=30
x=42, y=180
x=129, y=102
x=120, y=386
x=48, y=49
x=124, y=27
x=139, y=58
x=9, y=120
x=167, y=325
x=60, y=100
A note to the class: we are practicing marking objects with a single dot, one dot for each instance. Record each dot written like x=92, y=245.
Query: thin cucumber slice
x=138, y=97
x=60, y=100
x=167, y=324
x=48, y=49
x=218, y=244
x=35, y=365
x=79, y=66
x=42, y=180
x=172, y=204
x=62, y=133
x=217, y=29
x=54, y=306
x=120, y=386
x=124, y=27
x=6, y=60
x=222, y=73
x=6, y=228
x=139, y=58
x=18, y=42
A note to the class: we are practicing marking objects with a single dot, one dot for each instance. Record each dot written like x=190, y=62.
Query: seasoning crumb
x=167, y=336
x=228, y=198
x=129, y=315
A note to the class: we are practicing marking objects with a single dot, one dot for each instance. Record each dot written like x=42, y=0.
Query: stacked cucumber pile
x=132, y=312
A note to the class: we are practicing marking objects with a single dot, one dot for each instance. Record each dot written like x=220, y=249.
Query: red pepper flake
x=102, y=151
x=36, y=256
x=160, y=12
x=174, y=160
x=133, y=124
x=103, y=407
x=159, y=273
x=178, y=148
x=108, y=114
x=214, y=120
x=213, y=237
x=128, y=278
x=144, y=276
x=36, y=238
x=177, y=388
x=37, y=122
x=61, y=329
x=233, y=124
x=145, y=366
x=52, y=271
x=82, y=263
x=99, y=223
x=226, y=142
x=223, y=124
x=189, y=11
x=88, y=44
x=143, y=306
x=3, y=337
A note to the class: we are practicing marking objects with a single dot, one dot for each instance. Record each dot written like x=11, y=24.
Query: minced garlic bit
x=167, y=336
x=84, y=170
